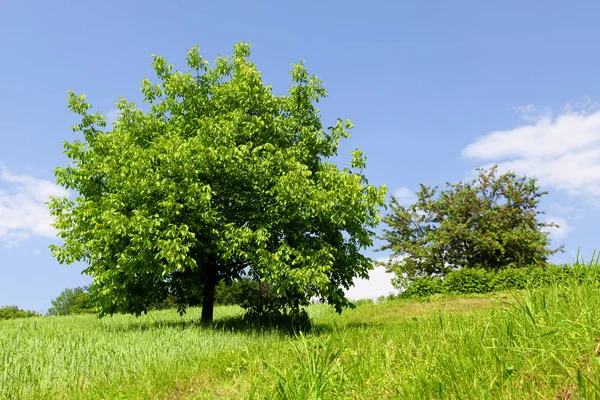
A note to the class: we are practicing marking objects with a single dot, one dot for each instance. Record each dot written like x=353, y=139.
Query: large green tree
x=218, y=177
x=490, y=222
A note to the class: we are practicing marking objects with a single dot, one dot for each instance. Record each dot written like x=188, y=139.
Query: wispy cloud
x=560, y=231
x=111, y=116
x=570, y=212
x=405, y=196
x=23, y=213
x=562, y=151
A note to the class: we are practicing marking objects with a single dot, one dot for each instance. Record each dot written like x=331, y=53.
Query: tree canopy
x=490, y=222
x=218, y=178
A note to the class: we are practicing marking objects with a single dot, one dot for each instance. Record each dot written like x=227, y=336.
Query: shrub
x=12, y=312
x=511, y=278
x=422, y=287
x=539, y=277
x=235, y=292
x=472, y=280
x=468, y=280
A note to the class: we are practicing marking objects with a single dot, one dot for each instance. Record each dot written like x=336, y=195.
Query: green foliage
x=13, y=312
x=219, y=177
x=490, y=222
x=517, y=279
x=72, y=301
x=235, y=292
x=245, y=292
x=468, y=281
x=423, y=287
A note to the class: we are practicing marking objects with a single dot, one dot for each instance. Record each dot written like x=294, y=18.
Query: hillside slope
x=538, y=344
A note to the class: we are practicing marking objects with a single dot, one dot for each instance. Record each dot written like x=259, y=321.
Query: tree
x=12, y=312
x=219, y=177
x=490, y=222
x=72, y=301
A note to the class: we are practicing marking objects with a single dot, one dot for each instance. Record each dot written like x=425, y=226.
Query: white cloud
x=558, y=232
x=531, y=112
x=111, y=116
x=22, y=210
x=562, y=151
x=572, y=213
x=378, y=284
x=405, y=196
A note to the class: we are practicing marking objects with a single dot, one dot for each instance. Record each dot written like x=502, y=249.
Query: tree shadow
x=284, y=324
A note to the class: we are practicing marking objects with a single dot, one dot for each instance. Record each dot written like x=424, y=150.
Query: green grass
x=543, y=343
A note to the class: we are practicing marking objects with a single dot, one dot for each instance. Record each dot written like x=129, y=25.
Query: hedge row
x=470, y=280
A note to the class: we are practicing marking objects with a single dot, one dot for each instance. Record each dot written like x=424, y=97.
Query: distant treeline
x=12, y=312
x=79, y=300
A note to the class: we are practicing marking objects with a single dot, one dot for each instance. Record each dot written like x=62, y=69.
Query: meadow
x=540, y=343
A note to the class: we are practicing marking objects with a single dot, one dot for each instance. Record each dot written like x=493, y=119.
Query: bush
x=473, y=280
x=235, y=292
x=514, y=278
x=422, y=287
x=539, y=277
x=12, y=312
x=468, y=280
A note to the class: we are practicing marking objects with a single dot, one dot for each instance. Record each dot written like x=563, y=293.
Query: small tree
x=72, y=301
x=219, y=177
x=490, y=222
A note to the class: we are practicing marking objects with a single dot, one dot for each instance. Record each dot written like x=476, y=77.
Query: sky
x=435, y=89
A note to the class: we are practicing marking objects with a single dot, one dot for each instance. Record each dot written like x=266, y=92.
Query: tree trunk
x=208, y=293
x=208, y=301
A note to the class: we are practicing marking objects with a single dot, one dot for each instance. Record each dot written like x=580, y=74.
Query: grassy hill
x=534, y=344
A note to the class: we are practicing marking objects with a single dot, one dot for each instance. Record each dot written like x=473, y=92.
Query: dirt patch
x=395, y=312
x=567, y=393
x=202, y=386
x=583, y=366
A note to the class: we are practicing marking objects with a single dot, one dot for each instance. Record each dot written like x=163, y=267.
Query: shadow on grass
x=288, y=325
x=283, y=324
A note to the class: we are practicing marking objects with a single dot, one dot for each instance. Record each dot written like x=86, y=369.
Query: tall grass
x=540, y=343
x=543, y=345
x=84, y=357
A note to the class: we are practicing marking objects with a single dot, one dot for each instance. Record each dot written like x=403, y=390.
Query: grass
x=543, y=343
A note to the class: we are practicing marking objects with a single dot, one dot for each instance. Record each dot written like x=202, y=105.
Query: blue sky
x=435, y=89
